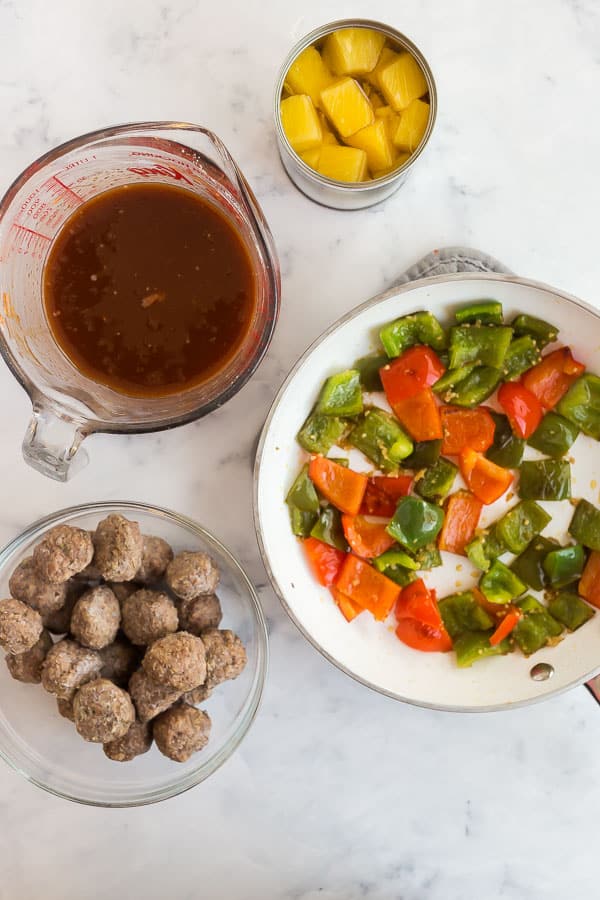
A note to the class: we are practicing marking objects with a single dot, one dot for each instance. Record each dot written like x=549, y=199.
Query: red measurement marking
x=67, y=188
x=31, y=231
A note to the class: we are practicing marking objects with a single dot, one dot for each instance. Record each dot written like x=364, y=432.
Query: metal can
x=327, y=191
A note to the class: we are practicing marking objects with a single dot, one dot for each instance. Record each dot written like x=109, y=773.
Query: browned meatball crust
x=20, y=626
x=103, y=712
x=119, y=661
x=27, y=667
x=63, y=552
x=181, y=731
x=27, y=585
x=225, y=656
x=96, y=618
x=65, y=708
x=67, y=667
x=190, y=574
x=156, y=556
x=59, y=621
x=177, y=661
x=197, y=696
x=200, y=613
x=134, y=742
x=123, y=589
x=118, y=548
x=150, y=698
x=147, y=616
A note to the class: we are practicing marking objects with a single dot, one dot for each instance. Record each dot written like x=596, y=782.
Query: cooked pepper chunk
x=569, y=609
x=368, y=370
x=367, y=539
x=461, y=519
x=346, y=606
x=421, y=636
x=367, y=587
x=529, y=565
x=523, y=409
x=506, y=626
x=483, y=312
x=581, y=405
x=500, y=585
x=484, y=478
x=517, y=528
x=585, y=525
x=564, y=565
x=589, y=586
x=461, y=612
x=328, y=528
x=341, y=395
x=507, y=449
x=417, y=328
x=473, y=428
x=303, y=504
x=382, y=494
x=324, y=560
x=428, y=557
x=380, y=437
x=320, y=433
x=450, y=379
x=420, y=416
x=543, y=332
x=302, y=521
x=418, y=602
x=553, y=376
x=485, y=345
x=425, y=454
x=554, y=436
x=545, y=479
x=343, y=488
x=437, y=481
x=472, y=646
x=522, y=354
x=416, y=523
x=395, y=558
x=484, y=549
x=476, y=387
x=536, y=628
x=417, y=368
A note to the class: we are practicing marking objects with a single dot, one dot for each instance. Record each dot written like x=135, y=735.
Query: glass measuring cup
x=67, y=405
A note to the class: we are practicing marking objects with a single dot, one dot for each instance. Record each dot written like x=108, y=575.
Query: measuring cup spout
x=52, y=443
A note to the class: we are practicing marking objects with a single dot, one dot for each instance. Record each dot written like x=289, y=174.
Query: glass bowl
x=45, y=748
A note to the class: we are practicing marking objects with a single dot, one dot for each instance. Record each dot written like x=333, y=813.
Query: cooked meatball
x=91, y=572
x=119, y=662
x=123, y=589
x=134, y=742
x=199, y=613
x=156, y=556
x=225, y=656
x=190, y=574
x=67, y=667
x=62, y=553
x=27, y=666
x=20, y=626
x=59, y=621
x=65, y=708
x=177, y=661
x=96, y=618
x=181, y=731
x=148, y=616
x=103, y=712
x=197, y=696
x=118, y=548
x=28, y=586
x=150, y=698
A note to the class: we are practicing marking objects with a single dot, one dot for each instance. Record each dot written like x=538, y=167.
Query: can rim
x=311, y=38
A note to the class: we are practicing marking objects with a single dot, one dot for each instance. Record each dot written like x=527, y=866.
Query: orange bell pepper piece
x=466, y=428
x=484, y=478
x=383, y=493
x=366, y=539
x=553, y=376
x=343, y=488
x=505, y=627
x=347, y=607
x=324, y=560
x=460, y=523
x=420, y=415
x=417, y=368
x=367, y=587
x=589, y=584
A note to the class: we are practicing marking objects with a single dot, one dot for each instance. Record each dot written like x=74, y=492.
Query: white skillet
x=367, y=650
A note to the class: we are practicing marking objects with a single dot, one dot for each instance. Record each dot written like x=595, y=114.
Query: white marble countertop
x=337, y=793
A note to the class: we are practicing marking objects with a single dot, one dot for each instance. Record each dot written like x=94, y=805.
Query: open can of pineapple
x=355, y=106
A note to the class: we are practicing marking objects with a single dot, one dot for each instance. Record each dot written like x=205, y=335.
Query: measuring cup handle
x=52, y=442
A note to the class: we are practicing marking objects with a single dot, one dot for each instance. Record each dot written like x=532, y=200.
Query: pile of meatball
x=141, y=646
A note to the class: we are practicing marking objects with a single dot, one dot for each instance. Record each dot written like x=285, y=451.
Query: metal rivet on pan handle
x=541, y=671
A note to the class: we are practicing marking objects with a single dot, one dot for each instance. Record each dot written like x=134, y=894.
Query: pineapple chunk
x=377, y=101
x=343, y=163
x=412, y=126
x=391, y=119
x=402, y=81
x=311, y=157
x=329, y=136
x=374, y=140
x=301, y=123
x=347, y=106
x=353, y=51
x=308, y=74
x=387, y=56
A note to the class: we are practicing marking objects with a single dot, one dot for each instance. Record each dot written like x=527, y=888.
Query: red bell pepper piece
x=523, y=408
x=463, y=510
x=505, y=627
x=343, y=488
x=484, y=478
x=347, y=607
x=424, y=637
x=367, y=539
x=466, y=428
x=367, y=587
x=383, y=493
x=417, y=601
x=417, y=368
x=324, y=560
x=420, y=415
x=550, y=380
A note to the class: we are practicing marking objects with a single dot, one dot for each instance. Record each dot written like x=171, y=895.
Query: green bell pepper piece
x=462, y=612
x=302, y=493
x=581, y=405
x=536, y=628
x=320, y=433
x=554, y=435
x=341, y=395
x=417, y=328
x=328, y=528
x=545, y=479
x=485, y=345
x=437, y=481
x=340, y=460
x=474, y=645
x=500, y=585
x=522, y=354
x=416, y=523
x=450, y=379
x=425, y=454
x=368, y=368
x=542, y=332
x=302, y=521
x=517, y=527
x=569, y=609
x=565, y=565
x=428, y=557
x=484, y=312
x=476, y=387
x=398, y=566
x=484, y=549
x=507, y=449
x=380, y=437
x=529, y=565
x=585, y=525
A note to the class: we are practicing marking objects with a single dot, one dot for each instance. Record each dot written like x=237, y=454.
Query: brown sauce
x=149, y=289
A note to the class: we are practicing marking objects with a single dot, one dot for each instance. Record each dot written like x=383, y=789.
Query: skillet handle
x=593, y=687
